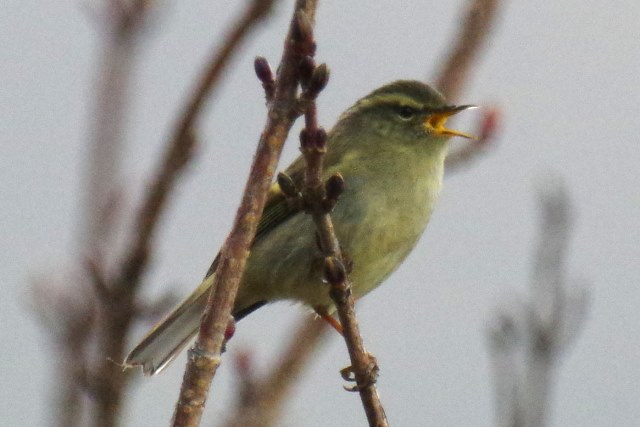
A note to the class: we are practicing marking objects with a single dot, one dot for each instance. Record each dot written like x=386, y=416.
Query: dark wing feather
x=278, y=207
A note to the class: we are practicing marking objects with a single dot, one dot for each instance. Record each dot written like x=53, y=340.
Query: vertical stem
x=103, y=181
x=204, y=356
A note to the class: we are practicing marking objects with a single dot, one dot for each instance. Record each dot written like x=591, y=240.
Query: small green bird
x=390, y=149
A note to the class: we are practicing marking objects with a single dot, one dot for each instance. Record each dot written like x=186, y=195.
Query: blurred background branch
x=526, y=345
x=473, y=33
x=121, y=23
x=460, y=60
x=72, y=309
x=101, y=303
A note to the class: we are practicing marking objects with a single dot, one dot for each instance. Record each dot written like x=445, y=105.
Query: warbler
x=390, y=148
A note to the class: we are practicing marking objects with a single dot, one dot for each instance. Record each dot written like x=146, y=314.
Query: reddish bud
x=334, y=186
x=318, y=81
x=306, y=139
x=230, y=330
x=263, y=69
x=320, y=138
x=490, y=124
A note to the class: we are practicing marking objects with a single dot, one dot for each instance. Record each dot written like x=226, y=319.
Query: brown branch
x=364, y=366
x=261, y=400
x=74, y=306
x=181, y=146
x=549, y=309
x=479, y=19
x=319, y=199
x=454, y=72
x=121, y=25
x=119, y=310
x=204, y=356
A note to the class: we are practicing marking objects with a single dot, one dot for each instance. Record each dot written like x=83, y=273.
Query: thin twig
x=122, y=24
x=120, y=309
x=180, y=148
x=477, y=23
x=548, y=306
x=204, y=356
x=364, y=367
x=319, y=198
x=454, y=72
x=552, y=318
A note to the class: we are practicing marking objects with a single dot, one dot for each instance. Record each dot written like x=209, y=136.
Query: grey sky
x=565, y=75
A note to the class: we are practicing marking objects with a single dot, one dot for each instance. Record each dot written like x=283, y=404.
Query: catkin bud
x=318, y=81
x=334, y=186
x=263, y=69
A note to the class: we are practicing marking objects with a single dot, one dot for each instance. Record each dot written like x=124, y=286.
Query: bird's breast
x=379, y=220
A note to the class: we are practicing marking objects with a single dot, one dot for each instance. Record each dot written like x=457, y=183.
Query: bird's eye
x=406, y=113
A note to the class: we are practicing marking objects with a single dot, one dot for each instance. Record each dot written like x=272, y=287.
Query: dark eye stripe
x=406, y=113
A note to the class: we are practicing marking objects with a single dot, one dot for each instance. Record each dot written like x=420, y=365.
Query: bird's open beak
x=435, y=121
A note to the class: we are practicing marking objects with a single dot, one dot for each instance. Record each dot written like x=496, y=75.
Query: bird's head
x=404, y=112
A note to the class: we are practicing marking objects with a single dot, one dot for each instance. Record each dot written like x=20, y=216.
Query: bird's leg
x=369, y=377
x=332, y=321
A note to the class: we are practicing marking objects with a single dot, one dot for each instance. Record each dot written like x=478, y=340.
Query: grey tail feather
x=171, y=335
x=167, y=339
